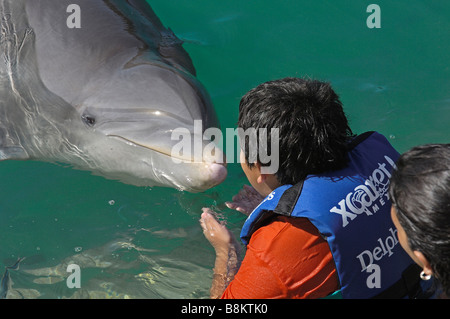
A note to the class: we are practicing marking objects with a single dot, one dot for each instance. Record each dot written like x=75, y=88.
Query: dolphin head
x=128, y=84
x=140, y=107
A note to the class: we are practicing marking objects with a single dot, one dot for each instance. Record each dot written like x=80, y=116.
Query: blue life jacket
x=351, y=209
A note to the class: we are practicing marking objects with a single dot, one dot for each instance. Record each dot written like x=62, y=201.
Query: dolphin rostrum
x=103, y=95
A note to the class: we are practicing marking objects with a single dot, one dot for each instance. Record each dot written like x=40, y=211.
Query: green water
x=146, y=242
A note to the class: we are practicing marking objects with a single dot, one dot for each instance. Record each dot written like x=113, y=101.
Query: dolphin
x=101, y=85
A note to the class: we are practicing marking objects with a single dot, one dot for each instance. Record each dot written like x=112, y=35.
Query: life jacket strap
x=288, y=200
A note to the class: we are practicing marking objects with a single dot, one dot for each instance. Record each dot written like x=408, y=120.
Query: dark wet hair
x=313, y=128
x=420, y=191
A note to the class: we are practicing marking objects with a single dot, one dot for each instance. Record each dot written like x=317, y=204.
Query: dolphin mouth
x=136, y=144
x=192, y=175
x=177, y=158
x=211, y=175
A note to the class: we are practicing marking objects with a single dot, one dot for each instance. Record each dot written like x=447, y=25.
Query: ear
x=424, y=262
x=261, y=177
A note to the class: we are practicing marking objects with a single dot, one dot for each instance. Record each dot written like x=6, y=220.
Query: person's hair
x=313, y=128
x=420, y=192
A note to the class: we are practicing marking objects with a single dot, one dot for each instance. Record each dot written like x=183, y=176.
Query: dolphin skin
x=103, y=95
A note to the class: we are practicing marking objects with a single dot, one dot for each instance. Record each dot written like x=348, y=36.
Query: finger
x=231, y=205
x=239, y=196
x=245, y=190
x=208, y=222
x=203, y=225
x=203, y=218
x=207, y=210
x=206, y=216
x=249, y=189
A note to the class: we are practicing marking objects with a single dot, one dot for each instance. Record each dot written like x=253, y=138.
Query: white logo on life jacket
x=369, y=257
x=366, y=197
x=382, y=248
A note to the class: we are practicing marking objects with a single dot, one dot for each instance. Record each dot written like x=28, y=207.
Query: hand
x=217, y=234
x=226, y=264
x=246, y=200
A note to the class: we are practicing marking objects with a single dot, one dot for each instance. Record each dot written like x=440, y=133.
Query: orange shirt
x=285, y=259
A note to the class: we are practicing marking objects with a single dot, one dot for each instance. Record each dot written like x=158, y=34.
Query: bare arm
x=227, y=250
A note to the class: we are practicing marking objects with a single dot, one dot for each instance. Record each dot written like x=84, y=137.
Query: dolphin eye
x=89, y=120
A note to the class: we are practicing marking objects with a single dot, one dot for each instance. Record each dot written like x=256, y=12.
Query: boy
x=323, y=226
